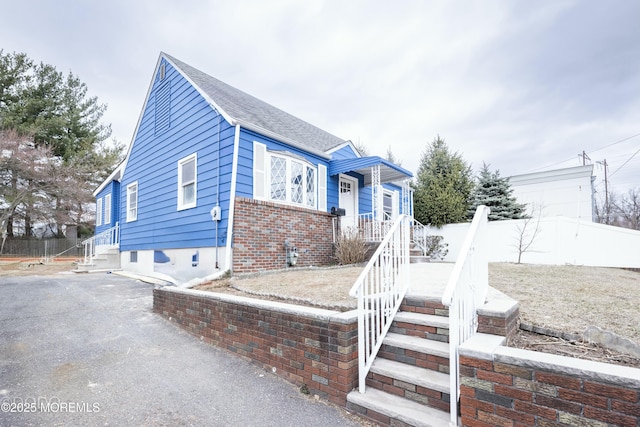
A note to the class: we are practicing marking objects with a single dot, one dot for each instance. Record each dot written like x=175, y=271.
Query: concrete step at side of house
x=420, y=325
x=421, y=385
x=106, y=261
x=417, y=259
x=389, y=409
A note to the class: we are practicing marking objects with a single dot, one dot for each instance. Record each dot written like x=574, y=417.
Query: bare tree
x=25, y=176
x=626, y=209
x=527, y=232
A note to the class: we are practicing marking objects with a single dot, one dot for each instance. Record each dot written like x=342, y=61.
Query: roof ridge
x=248, y=109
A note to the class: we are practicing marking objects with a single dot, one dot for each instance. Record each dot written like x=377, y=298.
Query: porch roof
x=389, y=172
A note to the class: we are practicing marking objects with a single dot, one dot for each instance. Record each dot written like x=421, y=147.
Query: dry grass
x=563, y=298
x=34, y=267
x=321, y=287
x=570, y=298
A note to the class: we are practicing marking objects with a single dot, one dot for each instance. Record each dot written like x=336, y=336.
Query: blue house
x=217, y=180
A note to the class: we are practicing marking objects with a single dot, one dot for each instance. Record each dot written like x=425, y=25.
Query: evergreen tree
x=392, y=158
x=55, y=113
x=443, y=186
x=495, y=191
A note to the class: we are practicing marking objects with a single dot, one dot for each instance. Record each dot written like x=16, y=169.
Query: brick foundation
x=309, y=346
x=261, y=229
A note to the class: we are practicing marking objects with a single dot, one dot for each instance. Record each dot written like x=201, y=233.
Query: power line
x=627, y=161
x=617, y=142
x=592, y=151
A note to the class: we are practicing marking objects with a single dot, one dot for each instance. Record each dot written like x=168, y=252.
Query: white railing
x=107, y=239
x=464, y=294
x=369, y=229
x=419, y=235
x=380, y=289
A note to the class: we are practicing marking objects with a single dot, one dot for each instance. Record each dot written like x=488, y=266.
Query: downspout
x=232, y=198
x=218, y=186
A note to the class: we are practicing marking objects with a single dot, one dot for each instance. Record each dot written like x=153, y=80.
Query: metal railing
x=380, y=289
x=107, y=239
x=419, y=235
x=369, y=229
x=466, y=291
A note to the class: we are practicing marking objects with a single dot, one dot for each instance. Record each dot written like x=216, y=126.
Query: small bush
x=350, y=248
x=436, y=248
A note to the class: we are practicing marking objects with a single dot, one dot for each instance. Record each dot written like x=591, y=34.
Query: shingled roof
x=250, y=112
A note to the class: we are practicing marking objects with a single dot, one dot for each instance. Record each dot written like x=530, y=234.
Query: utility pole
x=606, y=191
x=584, y=157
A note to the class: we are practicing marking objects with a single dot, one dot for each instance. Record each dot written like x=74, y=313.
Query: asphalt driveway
x=87, y=350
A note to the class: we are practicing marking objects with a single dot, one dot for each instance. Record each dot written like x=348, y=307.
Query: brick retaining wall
x=261, y=228
x=504, y=386
x=305, y=345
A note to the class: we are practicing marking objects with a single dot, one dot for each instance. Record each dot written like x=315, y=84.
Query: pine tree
x=495, y=191
x=443, y=186
x=54, y=113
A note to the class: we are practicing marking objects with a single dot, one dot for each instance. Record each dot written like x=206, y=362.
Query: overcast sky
x=522, y=85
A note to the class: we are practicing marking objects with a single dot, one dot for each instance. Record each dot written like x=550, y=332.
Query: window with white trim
x=292, y=181
x=132, y=201
x=98, y=212
x=107, y=209
x=283, y=178
x=187, y=182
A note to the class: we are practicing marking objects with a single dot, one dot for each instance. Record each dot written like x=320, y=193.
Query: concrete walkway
x=86, y=350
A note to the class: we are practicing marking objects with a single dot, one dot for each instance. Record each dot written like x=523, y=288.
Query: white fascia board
x=211, y=102
x=552, y=175
x=348, y=143
x=116, y=175
x=146, y=100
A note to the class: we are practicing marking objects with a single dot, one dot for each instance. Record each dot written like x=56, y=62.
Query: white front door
x=348, y=200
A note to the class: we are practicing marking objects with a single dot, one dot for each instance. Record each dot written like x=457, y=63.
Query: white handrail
x=466, y=291
x=108, y=238
x=372, y=229
x=419, y=235
x=380, y=289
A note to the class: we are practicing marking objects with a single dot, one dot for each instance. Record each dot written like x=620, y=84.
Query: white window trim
x=98, y=212
x=107, y=209
x=288, y=201
x=181, y=205
x=129, y=216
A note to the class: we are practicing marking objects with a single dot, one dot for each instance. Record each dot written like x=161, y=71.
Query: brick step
x=421, y=385
x=428, y=354
x=441, y=322
x=416, y=259
x=420, y=325
x=389, y=409
x=420, y=345
x=417, y=303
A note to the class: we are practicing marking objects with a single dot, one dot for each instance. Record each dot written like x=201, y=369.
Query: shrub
x=350, y=248
x=434, y=247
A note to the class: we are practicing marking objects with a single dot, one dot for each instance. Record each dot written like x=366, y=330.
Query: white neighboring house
x=564, y=192
x=562, y=233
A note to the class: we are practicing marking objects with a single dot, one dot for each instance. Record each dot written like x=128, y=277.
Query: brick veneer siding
x=261, y=228
x=309, y=346
x=513, y=387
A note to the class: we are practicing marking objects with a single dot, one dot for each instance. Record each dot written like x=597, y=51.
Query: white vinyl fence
x=557, y=241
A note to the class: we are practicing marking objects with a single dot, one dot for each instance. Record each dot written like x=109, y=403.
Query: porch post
x=376, y=194
x=406, y=199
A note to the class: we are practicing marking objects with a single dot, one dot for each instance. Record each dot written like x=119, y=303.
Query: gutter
x=232, y=200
